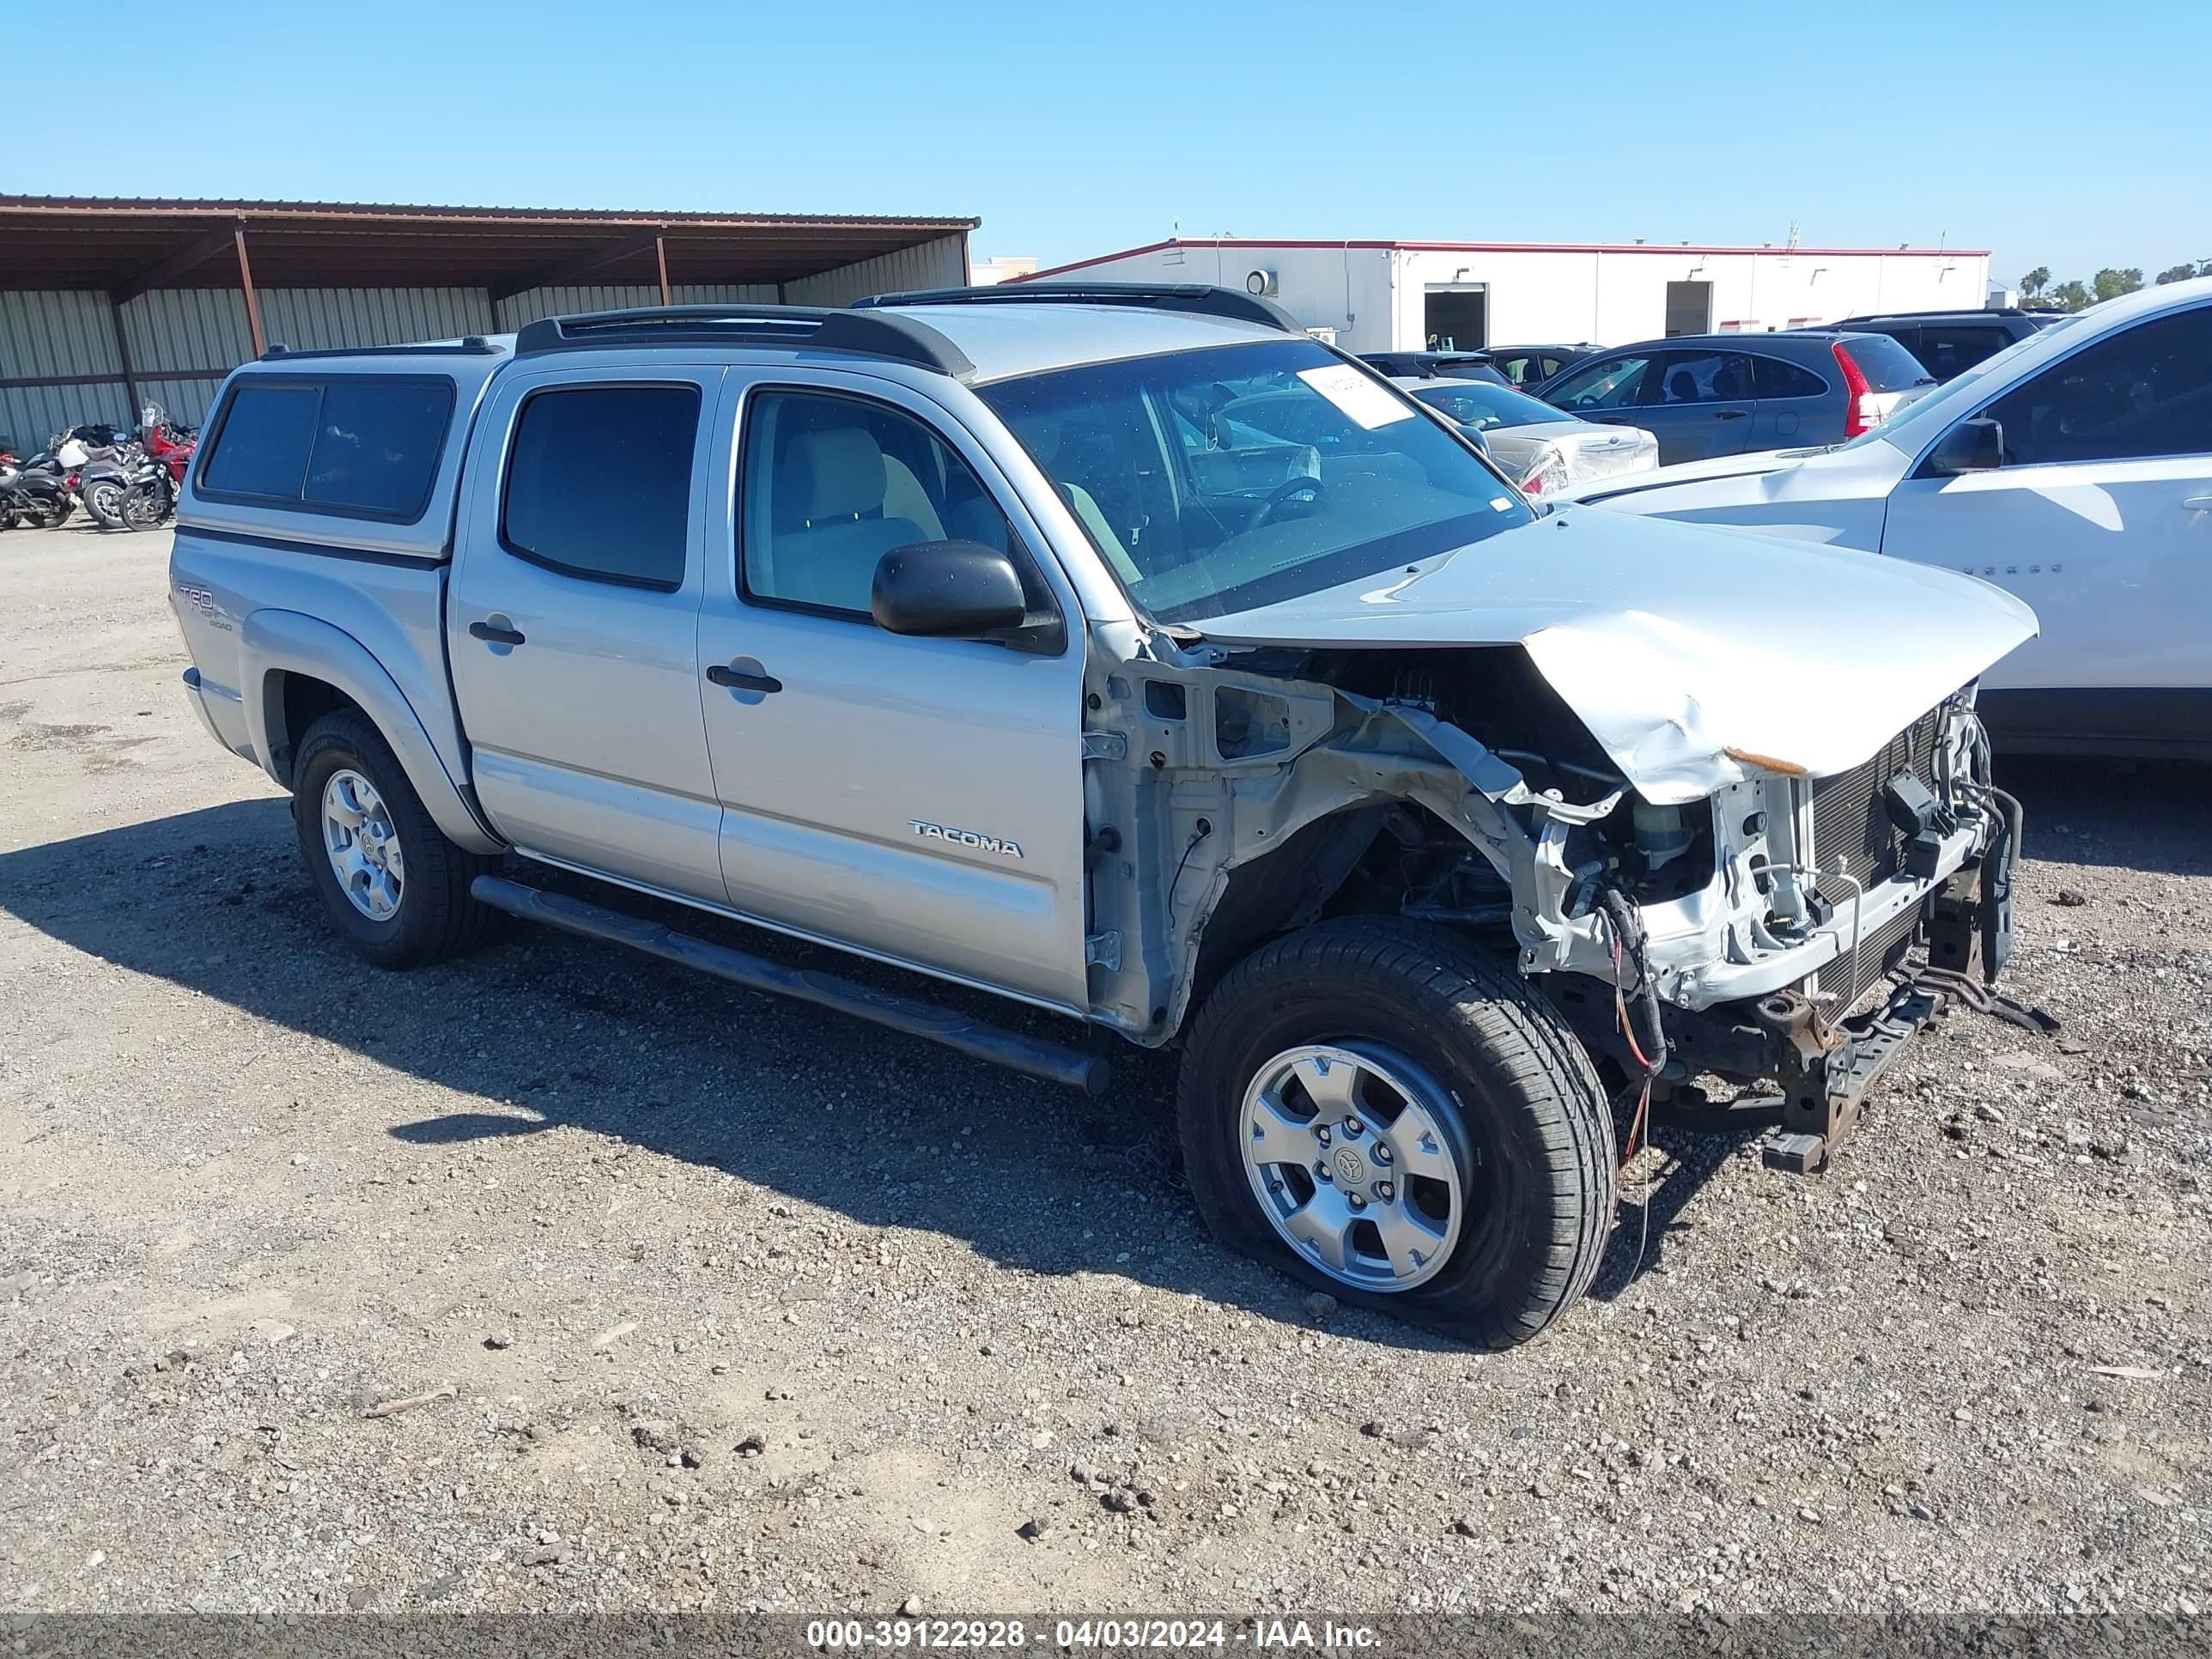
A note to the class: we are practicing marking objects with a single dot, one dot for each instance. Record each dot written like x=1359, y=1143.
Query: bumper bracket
x=1831, y=1078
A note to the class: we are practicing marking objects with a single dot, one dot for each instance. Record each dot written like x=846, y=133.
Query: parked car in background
x=1532, y=365
x=1948, y=342
x=1702, y=395
x=2073, y=469
x=1541, y=450
x=1464, y=365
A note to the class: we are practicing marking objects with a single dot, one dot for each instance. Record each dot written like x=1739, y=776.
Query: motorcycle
x=172, y=445
x=164, y=452
x=137, y=489
x=40, y=490
x=106, y=480
x=149, y=495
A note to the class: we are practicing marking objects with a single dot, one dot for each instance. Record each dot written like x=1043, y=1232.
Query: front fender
x=273, y=643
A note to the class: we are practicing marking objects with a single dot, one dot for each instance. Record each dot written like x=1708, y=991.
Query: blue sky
x=2073, y=138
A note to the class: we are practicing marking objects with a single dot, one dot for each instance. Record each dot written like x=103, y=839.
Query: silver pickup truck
x=1130, y=654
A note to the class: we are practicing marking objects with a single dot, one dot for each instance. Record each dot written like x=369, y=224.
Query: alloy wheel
x=363, y=848
x=1349, y=1149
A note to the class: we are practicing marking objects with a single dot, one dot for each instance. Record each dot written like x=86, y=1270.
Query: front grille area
x=1848, y=817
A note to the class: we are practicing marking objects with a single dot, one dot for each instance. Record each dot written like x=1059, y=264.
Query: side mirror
x=947, y=590
x=1975, y=446
x=1474, y=436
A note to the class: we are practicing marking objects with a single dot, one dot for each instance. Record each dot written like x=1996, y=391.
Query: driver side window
x=1613, y=383
x=2140, y=394
x=831, y=483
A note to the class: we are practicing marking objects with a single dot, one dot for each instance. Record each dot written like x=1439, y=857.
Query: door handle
x=495, y=633
x=2198, y=504
x=1730, y=414
x=738, y=680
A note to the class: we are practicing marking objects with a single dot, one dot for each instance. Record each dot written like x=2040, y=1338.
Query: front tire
x=1387, y=1113
x=104, y=502
x=145, y=508
x=392, y=884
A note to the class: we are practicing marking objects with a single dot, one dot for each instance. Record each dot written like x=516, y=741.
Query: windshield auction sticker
x=1369, y=404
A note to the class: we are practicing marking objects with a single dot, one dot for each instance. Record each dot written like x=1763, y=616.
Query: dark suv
x=1949, y=343
x=1704, y=395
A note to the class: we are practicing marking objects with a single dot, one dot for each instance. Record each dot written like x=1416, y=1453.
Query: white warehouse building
x=1407, y=296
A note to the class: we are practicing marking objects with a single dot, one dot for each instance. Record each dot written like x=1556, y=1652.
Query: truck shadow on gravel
x=550, y=1032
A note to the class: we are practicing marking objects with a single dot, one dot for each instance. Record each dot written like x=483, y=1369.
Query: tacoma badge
x=930, y=831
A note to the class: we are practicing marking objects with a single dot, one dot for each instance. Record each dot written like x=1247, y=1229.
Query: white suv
x=2073, y=469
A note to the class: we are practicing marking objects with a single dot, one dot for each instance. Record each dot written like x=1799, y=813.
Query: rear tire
x=1469, y=1153
x=394, y=887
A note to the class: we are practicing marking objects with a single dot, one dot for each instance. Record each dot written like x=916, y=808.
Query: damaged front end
x=1738, y=926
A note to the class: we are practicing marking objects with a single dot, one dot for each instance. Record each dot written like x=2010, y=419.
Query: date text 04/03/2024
x=1250, y=1631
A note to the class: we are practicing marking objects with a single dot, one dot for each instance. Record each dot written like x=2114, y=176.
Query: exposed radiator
x=1879, y=952
x=1850, y=820
x=1848, y=815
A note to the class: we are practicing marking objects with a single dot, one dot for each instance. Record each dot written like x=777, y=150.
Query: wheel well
x=296, y=701
x=1363, y=861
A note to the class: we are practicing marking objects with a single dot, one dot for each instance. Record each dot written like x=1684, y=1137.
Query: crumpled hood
x=1677, y=644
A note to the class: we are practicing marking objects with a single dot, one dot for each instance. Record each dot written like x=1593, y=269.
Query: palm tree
x=2036, y=280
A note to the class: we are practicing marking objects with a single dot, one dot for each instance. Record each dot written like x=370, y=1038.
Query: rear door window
x=598, y=482
x=2137, y=395
x=1704, y=377
x=1772, y=378
x=358, y=447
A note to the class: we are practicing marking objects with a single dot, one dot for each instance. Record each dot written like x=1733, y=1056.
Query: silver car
x=1546, y=450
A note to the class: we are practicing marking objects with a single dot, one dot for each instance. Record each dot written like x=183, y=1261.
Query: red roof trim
x=1507, y=247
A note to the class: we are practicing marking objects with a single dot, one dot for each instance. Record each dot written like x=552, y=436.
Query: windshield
x=1484, y=407
x=1215, y=480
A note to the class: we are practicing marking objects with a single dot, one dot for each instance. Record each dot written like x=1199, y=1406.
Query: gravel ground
x=556, y=1279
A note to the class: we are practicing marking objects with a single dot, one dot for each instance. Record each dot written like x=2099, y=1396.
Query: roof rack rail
x=797, y=328
x=1199, y=299
x=474, y=345
x=1939, y=311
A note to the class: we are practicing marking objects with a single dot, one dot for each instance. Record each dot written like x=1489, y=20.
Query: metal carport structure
x=106, y=303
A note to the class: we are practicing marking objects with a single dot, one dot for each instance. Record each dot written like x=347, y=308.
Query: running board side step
x=1054, y=1062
